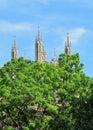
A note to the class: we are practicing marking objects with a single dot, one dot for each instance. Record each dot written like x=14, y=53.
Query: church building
x=40, y=54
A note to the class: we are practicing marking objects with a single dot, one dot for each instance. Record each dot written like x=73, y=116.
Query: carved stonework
x=39, y=49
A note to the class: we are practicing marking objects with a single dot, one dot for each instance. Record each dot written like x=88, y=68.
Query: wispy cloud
x=30, y=1
x=3, y=4
x=10, y=4
x=81, y=2
x=77, y=33
x=42, y=1
x=9, y=27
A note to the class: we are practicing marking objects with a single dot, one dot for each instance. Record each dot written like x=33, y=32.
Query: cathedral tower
x=39, y=49
x=14, y=52
x=54, y=60
x=68, y=49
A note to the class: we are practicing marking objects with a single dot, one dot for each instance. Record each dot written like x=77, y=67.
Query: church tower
x=54, y=60
x=68, y=49
x=39, y=49
x=14, y=52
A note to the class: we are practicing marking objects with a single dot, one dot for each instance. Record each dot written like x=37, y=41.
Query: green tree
x=43, y=96
x=26, y=94
x=82, y=111
x=72, y=92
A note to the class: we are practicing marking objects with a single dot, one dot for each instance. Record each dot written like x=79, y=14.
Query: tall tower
x=14, y=52
x=68, y=49
x=54, y=60
x=39, y=49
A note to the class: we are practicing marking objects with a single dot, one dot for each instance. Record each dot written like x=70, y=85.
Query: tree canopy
x=42, y=96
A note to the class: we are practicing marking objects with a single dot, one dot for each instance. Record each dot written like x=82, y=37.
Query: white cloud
x=9, y=27
x=76, y=34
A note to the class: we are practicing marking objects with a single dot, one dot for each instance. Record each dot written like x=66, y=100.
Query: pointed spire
x=14, y=38
x=68, y=39
x=54, y=60
x=38, y=32
x=39, y=48
x=55, y=53
x=24, y=54
x=14, y=49
x=15, y=45
x=68, y=45
x=38, y=35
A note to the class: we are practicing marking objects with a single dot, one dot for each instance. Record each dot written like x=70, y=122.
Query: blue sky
x=55, y=18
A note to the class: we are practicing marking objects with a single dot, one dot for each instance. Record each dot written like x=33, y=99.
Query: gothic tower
x=54, y=60
x=39, y=49
x=68, y=49
x=14, y=52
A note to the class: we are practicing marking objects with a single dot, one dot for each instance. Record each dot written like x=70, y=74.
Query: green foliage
x=9, y=128
x=43, y=96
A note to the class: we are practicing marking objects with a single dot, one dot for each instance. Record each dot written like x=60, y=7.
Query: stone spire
x=24, y=54
x=14, y=53
x=39, y=49
x=68, y=49
x=54, y=60
x=39, y=35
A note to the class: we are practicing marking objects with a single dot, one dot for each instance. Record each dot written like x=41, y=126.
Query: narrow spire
x=39, y=34
x=14, y=38
x=39, y=48
x=24, y=54
x=55, y=53
x=14, y=52
x=68, y=39
x=15, y=45
x=68, y=45
x=54, y=60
